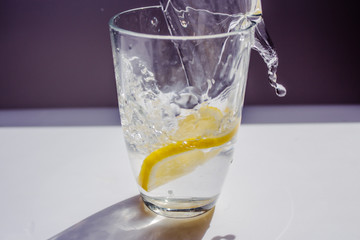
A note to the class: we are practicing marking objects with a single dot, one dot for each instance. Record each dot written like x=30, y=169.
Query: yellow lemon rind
x=179, y=147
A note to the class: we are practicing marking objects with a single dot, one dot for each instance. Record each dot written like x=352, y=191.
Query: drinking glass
x=180, y=101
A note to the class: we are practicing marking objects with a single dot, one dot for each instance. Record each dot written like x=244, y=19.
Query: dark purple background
x=56, y=53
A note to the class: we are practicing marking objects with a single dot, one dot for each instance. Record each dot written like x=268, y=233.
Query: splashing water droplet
x=184, y=23
x=264, y=46
x=280, y=90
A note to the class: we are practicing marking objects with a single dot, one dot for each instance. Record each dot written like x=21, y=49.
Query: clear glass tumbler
x=180, y=100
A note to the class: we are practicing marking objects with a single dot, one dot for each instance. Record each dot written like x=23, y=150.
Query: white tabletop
x=289, y=181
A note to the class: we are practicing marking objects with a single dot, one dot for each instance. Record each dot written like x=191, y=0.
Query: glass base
x=179, y=208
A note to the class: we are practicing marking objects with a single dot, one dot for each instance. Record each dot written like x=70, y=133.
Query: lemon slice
x=204, y=123
x=196, y=133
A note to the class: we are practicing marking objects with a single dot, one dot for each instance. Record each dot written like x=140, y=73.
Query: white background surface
x=287, y=181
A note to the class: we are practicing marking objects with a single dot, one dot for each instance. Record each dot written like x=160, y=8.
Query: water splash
x=176, y=11
x=264, y=46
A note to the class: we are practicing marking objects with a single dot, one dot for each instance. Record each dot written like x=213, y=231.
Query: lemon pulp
x=195, y=133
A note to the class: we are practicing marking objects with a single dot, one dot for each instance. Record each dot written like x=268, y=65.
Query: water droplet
x=280, y=90
x=184, y=23
x=154, y=21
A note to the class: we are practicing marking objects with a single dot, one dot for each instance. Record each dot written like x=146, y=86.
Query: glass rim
x=169, y=37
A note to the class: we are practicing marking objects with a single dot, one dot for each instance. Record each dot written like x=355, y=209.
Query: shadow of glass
x=227, y=237
x=131, y=219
